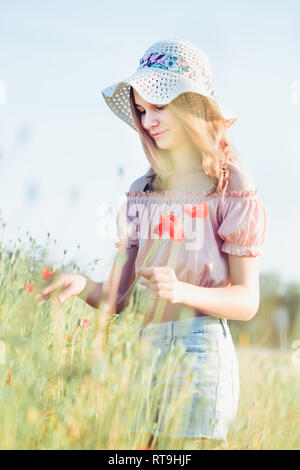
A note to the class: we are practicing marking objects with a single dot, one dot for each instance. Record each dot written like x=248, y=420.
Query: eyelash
x=157, y=107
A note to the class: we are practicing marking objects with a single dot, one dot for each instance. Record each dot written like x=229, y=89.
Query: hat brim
x=150, y=83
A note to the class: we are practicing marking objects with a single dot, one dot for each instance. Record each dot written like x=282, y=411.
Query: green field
x=65, y=385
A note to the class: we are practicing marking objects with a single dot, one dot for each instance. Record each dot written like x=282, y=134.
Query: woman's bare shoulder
x=239, y=179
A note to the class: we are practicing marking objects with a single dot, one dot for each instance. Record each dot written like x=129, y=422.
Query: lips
x=157, y=134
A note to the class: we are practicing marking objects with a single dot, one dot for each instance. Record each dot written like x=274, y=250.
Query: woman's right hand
x=70, y=284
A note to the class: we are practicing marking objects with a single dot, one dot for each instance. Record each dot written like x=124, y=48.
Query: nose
x=150, y=121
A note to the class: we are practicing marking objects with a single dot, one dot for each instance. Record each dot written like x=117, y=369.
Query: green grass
x=60, y=390
x=269, y=405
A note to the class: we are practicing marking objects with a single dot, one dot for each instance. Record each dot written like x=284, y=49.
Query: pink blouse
x=198, y=229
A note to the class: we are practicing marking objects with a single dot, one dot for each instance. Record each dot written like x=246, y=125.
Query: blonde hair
x=207, y=130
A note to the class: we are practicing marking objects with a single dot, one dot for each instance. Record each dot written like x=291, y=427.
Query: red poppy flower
x=200, y=211
x=29, y=287
x=171, y=224
x=47, y=274
x=9, y=377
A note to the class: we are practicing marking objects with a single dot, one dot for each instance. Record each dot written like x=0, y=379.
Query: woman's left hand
x=161, y=282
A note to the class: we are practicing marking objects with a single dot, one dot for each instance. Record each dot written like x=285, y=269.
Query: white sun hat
x=167, y=69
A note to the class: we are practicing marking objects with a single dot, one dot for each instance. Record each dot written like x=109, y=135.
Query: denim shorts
x=209, y=374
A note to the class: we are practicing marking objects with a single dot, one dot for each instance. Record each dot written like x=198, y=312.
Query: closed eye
x=157, y=107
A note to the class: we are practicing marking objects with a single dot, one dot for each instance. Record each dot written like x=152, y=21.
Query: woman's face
x=155, y=118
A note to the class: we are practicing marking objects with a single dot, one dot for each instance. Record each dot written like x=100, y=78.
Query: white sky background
x=58, y=137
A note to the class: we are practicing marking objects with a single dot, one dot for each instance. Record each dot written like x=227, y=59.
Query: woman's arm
x=240, y=301
x=93, y=292
x=127, y=278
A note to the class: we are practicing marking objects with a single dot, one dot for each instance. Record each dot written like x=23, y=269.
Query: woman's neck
x=193, y=179
x=185, y=158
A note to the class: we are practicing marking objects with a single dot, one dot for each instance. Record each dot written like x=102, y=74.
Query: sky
x=61, y=147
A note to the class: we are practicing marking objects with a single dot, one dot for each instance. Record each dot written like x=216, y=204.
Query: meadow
x=73, y=378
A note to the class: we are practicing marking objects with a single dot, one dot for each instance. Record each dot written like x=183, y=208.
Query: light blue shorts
x=209, y=374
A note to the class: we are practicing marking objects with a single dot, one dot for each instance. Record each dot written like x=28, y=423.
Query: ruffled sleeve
x=127, y=224
x=243, y=224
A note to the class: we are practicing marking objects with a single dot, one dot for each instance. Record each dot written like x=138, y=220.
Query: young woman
x=200, y=202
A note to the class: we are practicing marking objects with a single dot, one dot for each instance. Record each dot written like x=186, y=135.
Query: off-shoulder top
x=201, y=230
